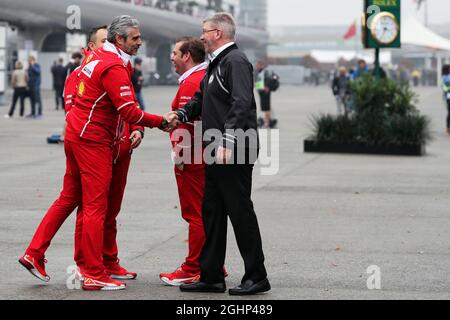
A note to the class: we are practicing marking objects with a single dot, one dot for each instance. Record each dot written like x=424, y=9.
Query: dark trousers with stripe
x=228, y=194
x=448, y=113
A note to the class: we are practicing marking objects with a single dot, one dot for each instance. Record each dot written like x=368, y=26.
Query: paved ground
x=324, y=218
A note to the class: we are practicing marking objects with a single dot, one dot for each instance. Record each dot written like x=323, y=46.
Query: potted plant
x=384, y=120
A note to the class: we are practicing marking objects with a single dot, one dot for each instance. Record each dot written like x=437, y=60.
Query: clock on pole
x=381, y=26
x=385, y=28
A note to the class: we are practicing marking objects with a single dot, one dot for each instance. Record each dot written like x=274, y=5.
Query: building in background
x=43, y=28
x=319, y=50
x=253, y=14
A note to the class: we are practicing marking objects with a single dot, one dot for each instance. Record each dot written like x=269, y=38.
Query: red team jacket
x=100, y=98
x=185, y=93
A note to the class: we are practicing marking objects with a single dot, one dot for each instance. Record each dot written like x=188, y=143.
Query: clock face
x=385, y=28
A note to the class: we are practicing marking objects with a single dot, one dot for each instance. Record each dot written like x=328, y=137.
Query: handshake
x=171, y=122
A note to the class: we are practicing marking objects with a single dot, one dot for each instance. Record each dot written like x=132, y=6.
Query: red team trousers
x=92, y=172
x=121, y=164
x=191, y=186
x=191, y=180
x=88, y=168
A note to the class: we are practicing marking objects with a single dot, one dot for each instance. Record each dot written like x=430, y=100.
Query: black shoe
x=204, y=287
x=260, y=122
x=249, y=287
x=273, y=123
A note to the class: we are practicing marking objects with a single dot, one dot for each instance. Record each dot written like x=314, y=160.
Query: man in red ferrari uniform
x=130, y=139
x=104, y=100
x=188, y=58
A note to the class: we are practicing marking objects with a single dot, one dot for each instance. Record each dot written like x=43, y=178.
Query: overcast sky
x=343, y=12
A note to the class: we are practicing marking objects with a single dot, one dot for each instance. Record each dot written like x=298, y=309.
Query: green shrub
x=384, y=96
x=384, y=114
x=339, y=129
x=410, y=129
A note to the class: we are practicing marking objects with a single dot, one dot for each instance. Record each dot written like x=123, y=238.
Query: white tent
x=415, y=33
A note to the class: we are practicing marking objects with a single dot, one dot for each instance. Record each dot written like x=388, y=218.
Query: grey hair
x=225, y=22
x=119, y=26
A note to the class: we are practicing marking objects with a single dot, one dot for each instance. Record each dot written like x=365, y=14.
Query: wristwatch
x=164, y=124
x=142, y=133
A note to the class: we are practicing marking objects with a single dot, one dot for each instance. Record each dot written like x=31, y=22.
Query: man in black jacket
x=227, y=105
x=341, y=90
x=137, y=79
x=59, y=73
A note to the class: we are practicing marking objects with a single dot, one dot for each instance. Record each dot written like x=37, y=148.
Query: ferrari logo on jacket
x=89, y=58
x=81, y=88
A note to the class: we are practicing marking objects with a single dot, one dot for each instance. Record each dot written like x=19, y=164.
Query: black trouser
x=228, y=192
x=32, y=96
x=448, y=113
x=59, y=91
x=265, y=100
x=18, y=93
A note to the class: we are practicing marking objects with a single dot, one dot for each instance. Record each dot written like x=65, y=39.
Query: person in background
x=19, y=84
x=360, y=70
x=138, y=79
x=416, y=77
x=34, y=87
x=382, y=73
x=341, y=90
x=351, y=71
x=446, y=92
x=77, y=57
x=59, y=74
x=264, y=92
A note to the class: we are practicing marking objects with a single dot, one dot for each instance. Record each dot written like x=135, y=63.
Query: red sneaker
x=116, y=271
x=179, y=277
x=104, y=283
x=35, y=266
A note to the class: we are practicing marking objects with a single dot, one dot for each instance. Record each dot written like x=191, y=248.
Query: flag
x=351, y=32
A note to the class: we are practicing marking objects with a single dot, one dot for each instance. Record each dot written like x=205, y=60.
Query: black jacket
x=341, y=85
x=59, y=73
x=137, y=84
x=226, y=101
